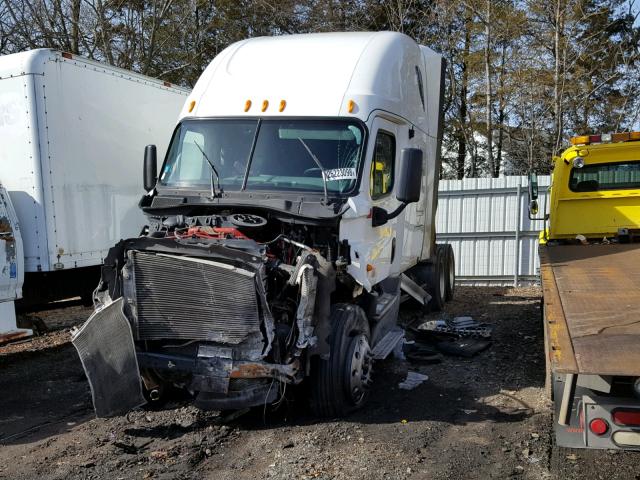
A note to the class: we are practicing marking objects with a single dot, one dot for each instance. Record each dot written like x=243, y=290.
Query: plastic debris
x=458, y=327
x=412, y=381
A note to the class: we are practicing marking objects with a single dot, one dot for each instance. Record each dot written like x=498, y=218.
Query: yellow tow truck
x=590, y=270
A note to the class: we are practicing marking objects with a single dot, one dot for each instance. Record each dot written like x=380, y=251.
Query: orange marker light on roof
x=192, y=105
x=283, y=105
x=265, y=105
x=247, y=105
x=634, y=136
x=351, y=105
x=619, y=137
x=582, y=140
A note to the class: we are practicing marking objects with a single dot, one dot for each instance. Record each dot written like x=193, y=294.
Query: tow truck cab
x=590, y=269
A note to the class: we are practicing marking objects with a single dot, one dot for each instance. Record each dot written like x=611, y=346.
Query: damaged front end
x=198, y=304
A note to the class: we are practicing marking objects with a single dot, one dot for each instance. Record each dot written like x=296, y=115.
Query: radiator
x=193, y=299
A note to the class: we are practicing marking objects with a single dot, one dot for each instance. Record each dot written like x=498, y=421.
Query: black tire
x=450, y=262
x=331, y=380
x=436, y=280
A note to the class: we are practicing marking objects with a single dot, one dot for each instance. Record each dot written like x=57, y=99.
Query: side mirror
x=533, y=194
x=410, y=179
x=150, y=167
x=533, y=186
x=408, y=186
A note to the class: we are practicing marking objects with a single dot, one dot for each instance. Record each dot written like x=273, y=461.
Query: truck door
x=11, y=266
x=384, y=254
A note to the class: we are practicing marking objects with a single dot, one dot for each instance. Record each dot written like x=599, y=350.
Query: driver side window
x=382, y=165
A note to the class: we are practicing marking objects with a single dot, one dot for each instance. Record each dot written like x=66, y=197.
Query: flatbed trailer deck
x=592, y=305
x=590, y=270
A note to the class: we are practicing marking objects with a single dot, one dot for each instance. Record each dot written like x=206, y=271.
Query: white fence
x=486, y=220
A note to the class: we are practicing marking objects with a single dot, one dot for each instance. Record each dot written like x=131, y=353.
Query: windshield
x=605, y=176
x=284, y=155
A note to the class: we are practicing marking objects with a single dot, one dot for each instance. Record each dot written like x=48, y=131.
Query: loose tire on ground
x=341, y=384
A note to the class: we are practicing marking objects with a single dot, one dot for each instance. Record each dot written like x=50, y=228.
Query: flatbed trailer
x=591, y=308
x=590, y=272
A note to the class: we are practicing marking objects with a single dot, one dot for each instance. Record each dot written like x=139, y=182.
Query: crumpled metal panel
x=107, y=352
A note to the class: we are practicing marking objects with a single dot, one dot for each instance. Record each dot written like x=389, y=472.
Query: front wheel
x=340, y=384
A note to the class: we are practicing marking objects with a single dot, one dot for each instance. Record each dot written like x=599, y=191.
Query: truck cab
x=590, y=264
x=296, y=201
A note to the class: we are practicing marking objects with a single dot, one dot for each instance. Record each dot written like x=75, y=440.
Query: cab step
x=386, y=345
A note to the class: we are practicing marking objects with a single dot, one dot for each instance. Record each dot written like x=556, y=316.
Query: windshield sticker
x=340, y=174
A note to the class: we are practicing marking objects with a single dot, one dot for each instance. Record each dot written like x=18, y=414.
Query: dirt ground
x=483, y=417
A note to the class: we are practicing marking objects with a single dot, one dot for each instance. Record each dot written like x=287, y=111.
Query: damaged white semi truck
x=295, y=205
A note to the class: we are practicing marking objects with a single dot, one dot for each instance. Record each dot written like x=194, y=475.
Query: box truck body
x=71, y=131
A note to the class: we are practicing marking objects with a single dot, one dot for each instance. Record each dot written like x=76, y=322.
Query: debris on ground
x=420, y=353
x=461, y=336
x=459, y=326
x=412, y=380
x=464, y=347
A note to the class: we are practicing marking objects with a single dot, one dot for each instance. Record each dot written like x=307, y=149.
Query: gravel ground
x=483, y=417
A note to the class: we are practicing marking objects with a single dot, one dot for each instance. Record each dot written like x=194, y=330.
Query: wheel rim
x=358, y=369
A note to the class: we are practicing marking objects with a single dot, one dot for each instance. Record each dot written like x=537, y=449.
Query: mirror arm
x=544, y=218
x=397, y=211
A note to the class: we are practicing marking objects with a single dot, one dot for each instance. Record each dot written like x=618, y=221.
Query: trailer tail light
x=67, y=55
x=599, y=426
x=626, y=418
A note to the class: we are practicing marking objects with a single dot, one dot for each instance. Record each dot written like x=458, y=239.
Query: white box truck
x=71, y=130
x=295, y=204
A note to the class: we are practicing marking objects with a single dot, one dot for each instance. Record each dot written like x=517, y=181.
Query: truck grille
x=196, y=299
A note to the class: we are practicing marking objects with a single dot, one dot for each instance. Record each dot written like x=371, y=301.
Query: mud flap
x=107, y=352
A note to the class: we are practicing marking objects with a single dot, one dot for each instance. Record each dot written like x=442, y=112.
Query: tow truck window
x=382, y=165
x=605, y=176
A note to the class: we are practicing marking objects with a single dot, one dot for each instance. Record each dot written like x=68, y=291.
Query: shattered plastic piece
x=458, y=327
x=582, y=239
x=412, y=381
